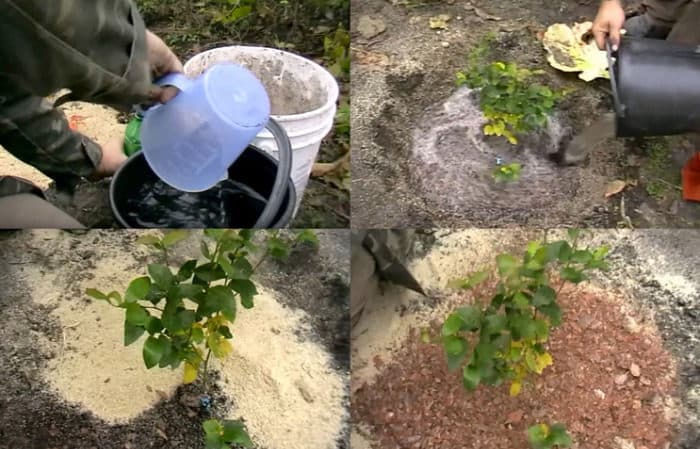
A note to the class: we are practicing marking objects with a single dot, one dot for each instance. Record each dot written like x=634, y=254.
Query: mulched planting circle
x=612, y=384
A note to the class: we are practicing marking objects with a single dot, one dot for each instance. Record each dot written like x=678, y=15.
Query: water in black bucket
x=158, y=205
x=140, y=199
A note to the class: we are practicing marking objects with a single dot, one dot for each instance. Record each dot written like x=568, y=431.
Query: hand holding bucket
x=191, y=141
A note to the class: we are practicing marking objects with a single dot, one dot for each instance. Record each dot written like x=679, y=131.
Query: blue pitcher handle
x=178, y=80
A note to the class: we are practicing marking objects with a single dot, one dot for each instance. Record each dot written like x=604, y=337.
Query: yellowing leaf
x=543, y=361
x=515, y=388
x=190, y=373
x=568, y=52
x=439, y=22
x=614, y=188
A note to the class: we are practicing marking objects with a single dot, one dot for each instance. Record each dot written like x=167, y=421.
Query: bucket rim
x=333, y=94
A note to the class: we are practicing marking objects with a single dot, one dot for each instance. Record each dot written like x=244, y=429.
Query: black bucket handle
x=284, y=170
x=619, y=107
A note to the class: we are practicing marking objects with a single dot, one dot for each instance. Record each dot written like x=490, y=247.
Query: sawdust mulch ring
x=613, y=383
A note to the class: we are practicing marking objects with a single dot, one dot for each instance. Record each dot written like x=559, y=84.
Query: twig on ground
x=480, y=13
x=627, y=220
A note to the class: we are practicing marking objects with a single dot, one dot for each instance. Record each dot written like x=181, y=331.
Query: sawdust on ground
x=285, y=388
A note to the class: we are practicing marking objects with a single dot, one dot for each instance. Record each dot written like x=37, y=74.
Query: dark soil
x=31, y=417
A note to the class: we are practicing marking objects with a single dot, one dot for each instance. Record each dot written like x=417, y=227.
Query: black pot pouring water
x=656, y=87
x=258, y=193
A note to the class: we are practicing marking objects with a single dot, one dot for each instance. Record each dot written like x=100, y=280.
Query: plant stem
x=205, y=374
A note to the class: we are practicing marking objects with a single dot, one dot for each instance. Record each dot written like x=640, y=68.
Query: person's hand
x=608, y=23
x=112, y=157
x=162, y=61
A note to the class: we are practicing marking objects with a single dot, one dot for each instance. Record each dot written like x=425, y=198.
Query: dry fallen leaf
x=615, y=187
x=364, y=57
x=439, y=22
x=568, y=51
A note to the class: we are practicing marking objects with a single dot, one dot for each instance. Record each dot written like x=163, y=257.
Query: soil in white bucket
x=302, y=95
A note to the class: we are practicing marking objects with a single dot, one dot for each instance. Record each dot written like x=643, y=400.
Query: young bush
x=510, y=331
x=543, y=436
x=188, y=312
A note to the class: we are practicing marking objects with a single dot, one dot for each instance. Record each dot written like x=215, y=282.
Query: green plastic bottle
x=132, y=137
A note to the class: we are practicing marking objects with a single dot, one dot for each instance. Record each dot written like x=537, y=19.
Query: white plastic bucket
x=303, y=96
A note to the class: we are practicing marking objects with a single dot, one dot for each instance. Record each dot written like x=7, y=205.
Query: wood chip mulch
x=610, y=384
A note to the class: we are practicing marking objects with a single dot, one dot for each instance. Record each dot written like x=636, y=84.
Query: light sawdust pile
x=283, y=386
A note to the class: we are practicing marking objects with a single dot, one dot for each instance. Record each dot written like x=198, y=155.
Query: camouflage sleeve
x=95, y=48
x=38, y=134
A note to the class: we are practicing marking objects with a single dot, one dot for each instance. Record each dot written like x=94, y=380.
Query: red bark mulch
x=415, y=403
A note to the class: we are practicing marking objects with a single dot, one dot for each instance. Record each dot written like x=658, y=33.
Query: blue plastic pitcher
x=191, y=141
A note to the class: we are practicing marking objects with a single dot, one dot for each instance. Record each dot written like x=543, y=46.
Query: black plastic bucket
x=656, y=87
x=254, y=169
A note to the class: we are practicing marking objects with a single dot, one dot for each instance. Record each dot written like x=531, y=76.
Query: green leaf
x=173, y=237
x=219, y=299
x=136, y=315
x=212, y=435
x=186, y=270
x=241, y=269
x=148, y=239
x=454, y=345
x=132, y=333
x=209, y=272
x=94, y=293
x=154, y=325
x=190, y=291
x=214, y=234
x=553, y=312
x=138, y=289
x=506, y=264
x=581, y=256
x=573, y=233
x=161, y=275
x=494, y=324
x=452, y=324
x=471, y=377
x=197, y=334
x=308, y=236
x=471, y=317
x=558, y=436
x=560, y=250
x=572, y=275
x=235, y=433
x=246, y=289
x=521, y=326
x=277, y=248
x=205, y=249
x=537, y=435
x=541, y=329
x=153, y=350
x=521, y=300
x=544, y=295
